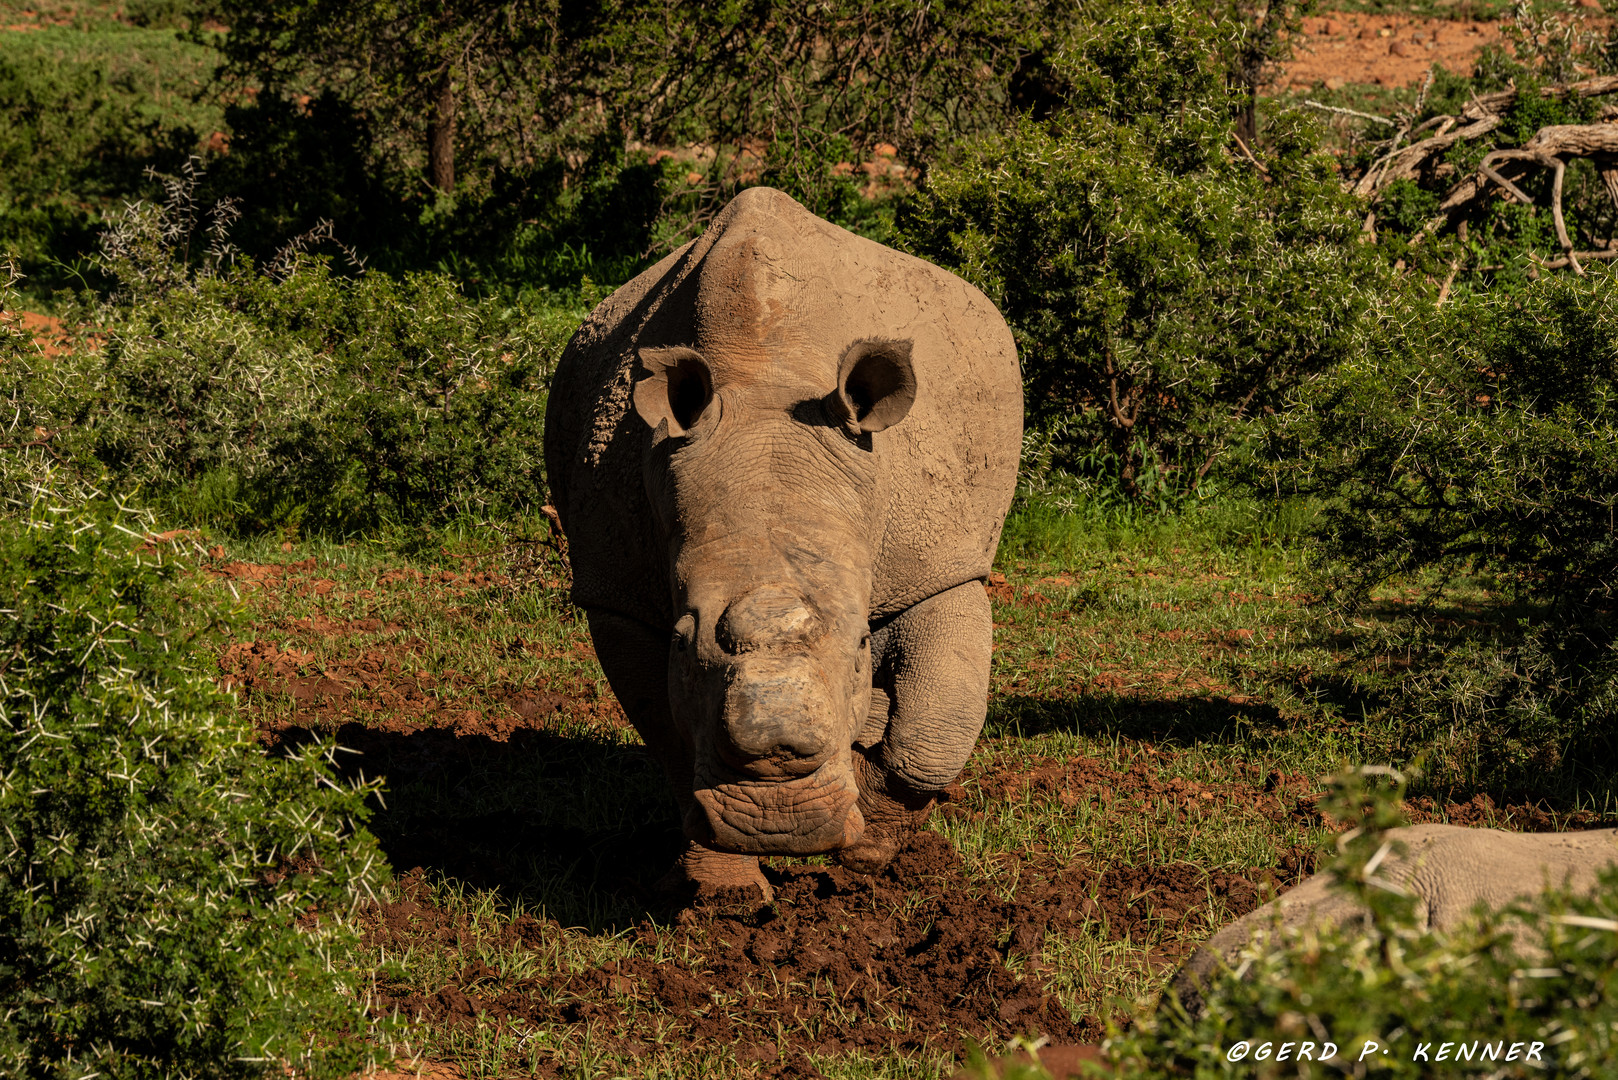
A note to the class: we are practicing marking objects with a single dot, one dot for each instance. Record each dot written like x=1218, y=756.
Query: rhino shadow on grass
x=574, y=823
x=1181, y=722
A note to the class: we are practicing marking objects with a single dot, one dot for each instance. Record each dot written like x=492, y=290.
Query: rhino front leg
x=929, y=695
x=634, y=657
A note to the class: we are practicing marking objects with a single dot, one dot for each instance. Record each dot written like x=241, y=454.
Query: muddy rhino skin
x=1450, y=870
x=782, y=458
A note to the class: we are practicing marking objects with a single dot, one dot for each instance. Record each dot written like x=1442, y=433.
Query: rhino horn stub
x=774, y=718
x=876, y=385
x=765, y=618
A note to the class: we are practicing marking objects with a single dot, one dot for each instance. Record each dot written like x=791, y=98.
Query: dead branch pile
x=1500, y=170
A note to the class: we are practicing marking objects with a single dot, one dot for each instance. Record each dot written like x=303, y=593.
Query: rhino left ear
x=876, y=385
x=676, y=387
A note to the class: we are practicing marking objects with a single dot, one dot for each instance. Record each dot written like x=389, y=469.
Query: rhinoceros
x=782, y=458
x=1451, y=871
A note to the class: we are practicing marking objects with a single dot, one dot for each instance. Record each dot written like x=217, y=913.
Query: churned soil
x=1340, y=48
x=912, y=959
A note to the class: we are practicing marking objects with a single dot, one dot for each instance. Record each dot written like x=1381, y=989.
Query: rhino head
x=763, y=477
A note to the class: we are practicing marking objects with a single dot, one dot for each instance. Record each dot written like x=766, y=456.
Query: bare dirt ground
x=50, y=336
x=1383, y=50
x=490, y=750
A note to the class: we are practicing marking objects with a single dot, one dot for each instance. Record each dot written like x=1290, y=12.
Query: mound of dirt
x=911, y=959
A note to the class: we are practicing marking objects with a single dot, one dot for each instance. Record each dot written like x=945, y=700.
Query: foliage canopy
x=1164, y=288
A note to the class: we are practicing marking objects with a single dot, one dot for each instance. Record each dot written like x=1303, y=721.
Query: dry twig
x=1248, y=154
x=1351, y=112
x=1551, y=147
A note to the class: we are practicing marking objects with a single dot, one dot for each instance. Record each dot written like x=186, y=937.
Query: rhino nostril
x=771, y=759
x=774, y=724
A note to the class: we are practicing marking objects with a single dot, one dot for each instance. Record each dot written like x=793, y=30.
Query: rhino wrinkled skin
x=782, y=458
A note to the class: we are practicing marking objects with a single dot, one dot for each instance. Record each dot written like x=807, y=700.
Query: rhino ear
x=676, y=386
x=876, y=385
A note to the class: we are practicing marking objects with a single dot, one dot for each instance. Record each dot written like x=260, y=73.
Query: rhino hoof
x=702, y=873
x=874, y=850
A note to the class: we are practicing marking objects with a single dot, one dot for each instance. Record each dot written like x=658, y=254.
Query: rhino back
x=594, y=446
x=771, y=295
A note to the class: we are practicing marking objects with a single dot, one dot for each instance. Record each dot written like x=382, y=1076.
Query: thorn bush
x=1163, y=287
x=1478, y=439
x=295, y=397
x=1539, y=971
x=172, y=900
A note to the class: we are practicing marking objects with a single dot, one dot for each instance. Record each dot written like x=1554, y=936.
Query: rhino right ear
x=676, y=386
x=876, y=385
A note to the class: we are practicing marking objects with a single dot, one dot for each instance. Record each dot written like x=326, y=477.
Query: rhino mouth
x=804, y=815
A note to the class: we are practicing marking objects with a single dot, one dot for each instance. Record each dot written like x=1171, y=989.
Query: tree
x=438, y=74
x=1261, y=43
x=518, y=79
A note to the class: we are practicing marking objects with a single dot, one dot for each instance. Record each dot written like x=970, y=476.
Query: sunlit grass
x=1172, y=650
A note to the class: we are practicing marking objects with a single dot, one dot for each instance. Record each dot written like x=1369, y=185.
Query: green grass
x=1175, y=661
x=1125, y=642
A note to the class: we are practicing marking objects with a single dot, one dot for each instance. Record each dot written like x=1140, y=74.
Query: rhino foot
x=703, y=872
x=892, y=811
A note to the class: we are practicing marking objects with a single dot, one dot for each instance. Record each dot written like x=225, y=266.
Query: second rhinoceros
x=782, y=458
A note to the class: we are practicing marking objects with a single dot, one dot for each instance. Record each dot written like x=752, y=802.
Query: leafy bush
x=294, y=397
x=1479, y=438
x=83, y=112
x=1537, y=972
x=171, y=899
x=1162, y=287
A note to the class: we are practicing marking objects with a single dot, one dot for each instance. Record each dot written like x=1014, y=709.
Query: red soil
x=1388, y=50
x=50, y=336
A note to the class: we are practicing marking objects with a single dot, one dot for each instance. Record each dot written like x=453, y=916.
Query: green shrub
x=1477, y=439
x=171, y=899
x=84, y=110
x=1540, y=971
x=294, y=397
x=1162, y=287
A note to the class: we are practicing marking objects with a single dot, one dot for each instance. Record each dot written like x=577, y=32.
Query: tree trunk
x=1247, y=119
x=441, y=136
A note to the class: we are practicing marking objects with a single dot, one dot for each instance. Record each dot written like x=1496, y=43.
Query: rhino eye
x=684, y=631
